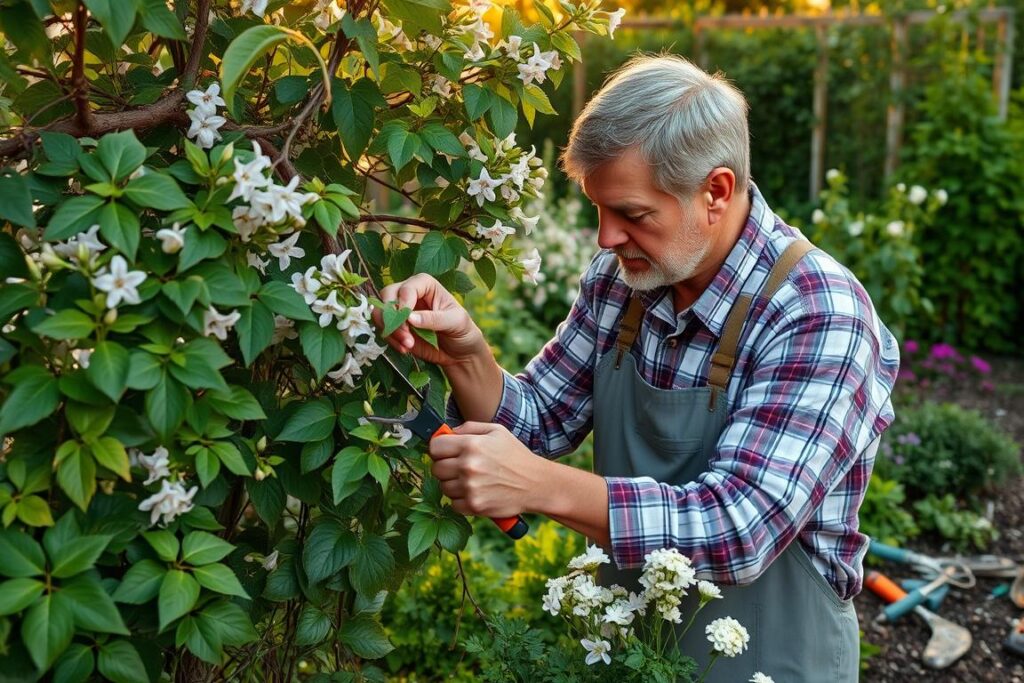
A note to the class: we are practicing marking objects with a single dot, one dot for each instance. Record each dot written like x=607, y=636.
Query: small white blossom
x=256, y=262
x=284, y=328
x=917, y=195
x=551, y=604
x=172, y=239
x=218, y=324
x=170, y=502
x=618, y=613
x=247, y=221
x=90, y=239
x=249, y=177
x=332, y=266
x=208, y=101
x=278, y=202
x=496, y=233
x=204, y=127
x=155, y=464
x=285, y=251
x=818, y=216
x=270, y=561
x=759, y=677
x=614, y=19
x=590, y=560
x=856, y=228
x=355, y=322
x=432, y=42
x=708, y=590
x=900, y=187
x=597, y=650
x=531, y=266
x=441, y=85
x=347, y=372
x=257, y=7
x=511, y=46
x=727, y=636
x=475, y=53
x=120, y=283
x=483, y=187
x=81, y=357
x=832, y=174
x=307, y=285
x=328, y=308
x=942, y=196
x=368, y=351
x=895, y=228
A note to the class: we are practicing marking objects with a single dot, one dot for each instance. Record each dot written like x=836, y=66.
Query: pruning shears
x=425, y=423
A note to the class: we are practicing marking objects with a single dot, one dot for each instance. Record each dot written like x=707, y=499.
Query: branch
x=79, y=84
x=385, y=218
x=195, y=53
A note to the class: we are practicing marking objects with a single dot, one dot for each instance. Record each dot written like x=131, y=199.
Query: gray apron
x=800, y=630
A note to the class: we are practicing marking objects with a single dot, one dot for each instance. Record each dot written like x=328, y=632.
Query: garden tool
x=918, y=596
x=985, y=566
x=934, y=599
x=425, y=423
x=1017, y=588
x=1015, y=641
x=949, y=641
x=928, y=567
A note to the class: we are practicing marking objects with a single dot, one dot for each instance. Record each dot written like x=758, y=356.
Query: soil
x=989, y=619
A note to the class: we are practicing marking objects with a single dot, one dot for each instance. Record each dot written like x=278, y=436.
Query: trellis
x=1002, y=17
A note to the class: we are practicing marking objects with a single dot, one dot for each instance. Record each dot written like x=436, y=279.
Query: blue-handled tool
x=934, y=599
x=920, y=595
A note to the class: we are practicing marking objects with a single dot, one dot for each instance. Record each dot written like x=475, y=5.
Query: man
x=736, y=382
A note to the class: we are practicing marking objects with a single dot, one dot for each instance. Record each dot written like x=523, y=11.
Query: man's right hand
x=459, y=340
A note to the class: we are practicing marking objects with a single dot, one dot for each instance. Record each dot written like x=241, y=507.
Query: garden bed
x=989, y=619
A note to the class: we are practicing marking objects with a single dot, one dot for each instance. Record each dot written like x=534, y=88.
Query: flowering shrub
x=624, y=636
x=879, y=248
x=939, y=371
x=186, y=483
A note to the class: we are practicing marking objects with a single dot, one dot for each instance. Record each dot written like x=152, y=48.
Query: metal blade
x=405, y=380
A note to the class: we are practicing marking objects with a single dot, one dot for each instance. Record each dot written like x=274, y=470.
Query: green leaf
x=165, y=406
x=378, y=469
x=485, y=269
x=329, y=548
x=35, y=396
x=207, y=465
x=120, y=662
x=178, y=595
x=73, y=216
x=76, y=555
x=77, y=476
x=219, y=578
x=564, y=42
x=291, y=89
x=141, y=583
x=230, y=621
x=201, y=640
x=435, y=256
x=117, y=18
x=75, y=665
x=352, y=110
x=70, y=323
x=165, y=543
x=323, y=346
x=536, y=98
x=397, y=77
x=419, y=14
x=20, y=555
x=110, y=453
x=92, y=608
x=503, y=115
x=365, y=636
x=316, y=453
x=12, y=258
x=119, y=226
x=47, y=629
x=268, y=498
x=428, y=336
x=203, y=359
x=453, y=531
x=422, y=535
x=393, y=318
x=16, y=298
x=24, y=29
x=442, y=140
x=244, y=51
x=478, y=100
x=255, y=329
x=17, y=594
x=183, y=292
x=328, y=216
x=200, y=547
x=313, y=421
x=229, y=455
x=108, y=369
x=144, y=370
x=349, y=468
x=373, y=563
x=34, y=511
x=157, y=19
x=199, y=246
x=312, y=627
x=120, y=153
x=237, y=403
x=154, y=190
x=284, y=300
x=16, y=201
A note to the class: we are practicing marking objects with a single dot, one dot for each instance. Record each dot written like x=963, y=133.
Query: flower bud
x=367, y=408
x=259, y=474
x=110, y=317
x=50, y=259
x=83, y=254
x=33, y=268
x=261, y=445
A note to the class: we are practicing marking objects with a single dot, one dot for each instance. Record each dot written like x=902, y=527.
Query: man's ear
x=718, y=192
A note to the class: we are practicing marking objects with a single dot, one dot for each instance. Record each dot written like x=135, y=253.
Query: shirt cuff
x=640, y=519
x=512, y=408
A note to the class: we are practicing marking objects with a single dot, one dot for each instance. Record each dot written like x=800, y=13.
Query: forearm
x=572, y=497
x=476, y=385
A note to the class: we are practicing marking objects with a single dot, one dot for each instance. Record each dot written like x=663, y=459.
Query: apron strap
x=725, y=357
x=629, y=327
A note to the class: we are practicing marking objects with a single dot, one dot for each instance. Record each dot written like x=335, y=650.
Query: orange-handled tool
x=884, y=587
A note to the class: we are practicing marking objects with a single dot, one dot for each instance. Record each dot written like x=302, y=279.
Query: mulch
x=988, y=618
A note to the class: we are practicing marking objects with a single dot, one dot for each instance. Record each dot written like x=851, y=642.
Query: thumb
x=438, y=321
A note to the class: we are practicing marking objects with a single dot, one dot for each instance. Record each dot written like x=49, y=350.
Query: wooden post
x=579, y=78
x=820, y=112
x=895, y=111
x=1001, y=72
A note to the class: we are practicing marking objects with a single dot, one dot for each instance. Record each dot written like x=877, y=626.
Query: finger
x=446, y=469
x=461, y=506
x=439, y=321
x=453, y=488
x=467, y=428
x=446, y=446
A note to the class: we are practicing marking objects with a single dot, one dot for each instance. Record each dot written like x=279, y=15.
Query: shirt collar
x=713, y=305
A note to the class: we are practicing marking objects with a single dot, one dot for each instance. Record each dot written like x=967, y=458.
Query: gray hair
x=684, y=121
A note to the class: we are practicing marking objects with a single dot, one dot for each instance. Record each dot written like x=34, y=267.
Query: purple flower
x=943, y=351
x=910, y=346
x=899, y=460
x=980, y=365
x=906, y=376
x=988, y=386
x=909, y=439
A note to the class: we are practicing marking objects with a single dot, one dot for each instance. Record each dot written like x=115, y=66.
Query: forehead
x=623, y=182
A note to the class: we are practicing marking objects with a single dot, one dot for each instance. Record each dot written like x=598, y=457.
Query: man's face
x=658, y=239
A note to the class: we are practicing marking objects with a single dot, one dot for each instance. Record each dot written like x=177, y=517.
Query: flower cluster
x=940, y=369
x=172, y=500
x=206, y=123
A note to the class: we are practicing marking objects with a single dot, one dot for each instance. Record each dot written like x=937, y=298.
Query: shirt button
x=672, y=342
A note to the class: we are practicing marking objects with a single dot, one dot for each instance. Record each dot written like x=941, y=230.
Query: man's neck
x=686, y=292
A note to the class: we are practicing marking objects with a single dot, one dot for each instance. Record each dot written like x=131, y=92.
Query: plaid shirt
x=809, y=394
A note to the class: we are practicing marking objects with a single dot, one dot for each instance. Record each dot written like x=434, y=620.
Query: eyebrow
x=624, y=207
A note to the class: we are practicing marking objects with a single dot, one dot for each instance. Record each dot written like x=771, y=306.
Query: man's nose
x=610, y=233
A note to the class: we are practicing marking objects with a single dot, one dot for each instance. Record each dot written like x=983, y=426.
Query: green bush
x=883, y=515
x=963, y=529
x=940, y=448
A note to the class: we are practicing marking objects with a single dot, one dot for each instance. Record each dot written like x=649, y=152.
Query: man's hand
x=485, y=470
x=459, y=339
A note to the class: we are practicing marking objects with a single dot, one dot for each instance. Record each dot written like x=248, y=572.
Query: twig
x=408, y=195
x=466, y=593
x=79, y=84
x=386, y=218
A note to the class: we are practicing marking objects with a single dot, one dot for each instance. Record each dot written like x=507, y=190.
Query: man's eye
x=636, y=218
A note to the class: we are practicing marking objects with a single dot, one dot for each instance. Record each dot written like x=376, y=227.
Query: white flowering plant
x=189, y=256
x=880, y=248
x=620, y=635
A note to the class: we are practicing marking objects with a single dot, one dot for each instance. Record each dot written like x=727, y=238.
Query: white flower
x=637, y=603
x=256, y=262
x=529, y=224
x=475, y=53
x=531, y=265
x=818, y=216
x=590, y=560
x=552, y=603
x=155, y=464
x=354, y=323
x=942, y=196
x=832, y=174
x=536, y=67
x=917, y=194
x=258, y=7
x=204, y=127
x=81, y=356
x=618, y=613
x=900, y=187
x=708, y=591
x=511, y=45
x=285, y=251
x=270, y=561
x=496, y=233
x=247, y=221
x=856, y=228
x=432, y=42
x=614, y=19
x=368, y=351
x=328, y=308
x=280, y=201
x=249, y=177
x=172, y=239
x=120, y=283
x=597, y=650
x=759, y=677
x=347, y=372
x=895, y=228
x=307, y=285
x=90, y=239
x=208, y=101
x=483, y=187
x=442, y=86
x=284, y=328
x=727, y=636
x=332, y=266
x=218, y=324
x=171, y=501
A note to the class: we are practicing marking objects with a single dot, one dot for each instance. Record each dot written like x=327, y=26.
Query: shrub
x=939, y=371
x=963, y=529
x=883, y=515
